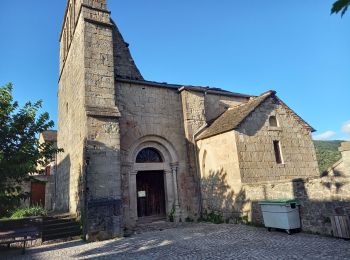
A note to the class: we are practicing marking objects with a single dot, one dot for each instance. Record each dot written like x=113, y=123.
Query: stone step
x=59, y=227
x=58, y=223
x=60, y=235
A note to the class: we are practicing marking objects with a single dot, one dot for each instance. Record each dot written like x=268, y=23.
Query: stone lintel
x=102, y=111
x=96, y=8
x=110, y=25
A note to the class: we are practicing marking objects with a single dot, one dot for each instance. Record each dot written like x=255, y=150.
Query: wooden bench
x=19, y=231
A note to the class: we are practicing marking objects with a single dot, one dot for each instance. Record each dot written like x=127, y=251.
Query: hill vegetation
x=327, y=153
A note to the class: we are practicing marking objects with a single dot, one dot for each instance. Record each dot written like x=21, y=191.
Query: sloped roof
x=234, y=116
x=178, y=87
x=50, y=135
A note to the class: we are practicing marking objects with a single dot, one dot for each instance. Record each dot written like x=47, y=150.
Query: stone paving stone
x=199, y=241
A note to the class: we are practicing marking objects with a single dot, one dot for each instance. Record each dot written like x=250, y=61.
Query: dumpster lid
x=278, y=201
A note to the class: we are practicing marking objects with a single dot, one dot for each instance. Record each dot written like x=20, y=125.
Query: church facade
x=138, y=150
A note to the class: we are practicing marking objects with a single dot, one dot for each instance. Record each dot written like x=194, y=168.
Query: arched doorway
x=150, y=186
x=151, y=161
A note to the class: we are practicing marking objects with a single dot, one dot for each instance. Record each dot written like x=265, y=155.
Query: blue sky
x=294, y=47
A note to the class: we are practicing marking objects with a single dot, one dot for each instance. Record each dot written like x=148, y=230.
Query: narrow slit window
x=278, y=154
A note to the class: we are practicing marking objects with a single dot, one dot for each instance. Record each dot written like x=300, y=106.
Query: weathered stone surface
x=89, y=169
x=71, y=123
x=255, y=146
x=108, y=113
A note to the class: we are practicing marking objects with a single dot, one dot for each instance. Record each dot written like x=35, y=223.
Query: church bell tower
x=88, y=177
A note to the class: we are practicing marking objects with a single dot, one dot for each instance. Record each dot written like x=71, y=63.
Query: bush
x=33, y=211
x=189, y=219
x=327, y=154
x=212, y=217
x=172, y=215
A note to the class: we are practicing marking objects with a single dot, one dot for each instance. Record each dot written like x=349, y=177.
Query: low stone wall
x=319, y=199
x=16, y=224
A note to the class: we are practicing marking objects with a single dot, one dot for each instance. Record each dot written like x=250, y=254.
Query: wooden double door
x=150, y=193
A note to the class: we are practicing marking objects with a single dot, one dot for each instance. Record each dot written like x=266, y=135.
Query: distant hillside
x=327, y=153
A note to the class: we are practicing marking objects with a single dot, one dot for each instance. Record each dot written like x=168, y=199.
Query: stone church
x=137, y=150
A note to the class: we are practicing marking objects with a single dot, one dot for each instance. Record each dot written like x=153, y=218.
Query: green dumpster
x=281, y=214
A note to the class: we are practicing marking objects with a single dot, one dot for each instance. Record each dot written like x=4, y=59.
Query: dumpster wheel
x=288, y=231
x=269, y=229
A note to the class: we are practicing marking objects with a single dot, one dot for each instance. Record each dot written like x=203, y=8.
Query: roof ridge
x=233, y=117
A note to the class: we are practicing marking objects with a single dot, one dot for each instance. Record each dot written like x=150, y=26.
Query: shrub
x=189, y=219
x=212, y=217
x=33, y=211
x=172, y=215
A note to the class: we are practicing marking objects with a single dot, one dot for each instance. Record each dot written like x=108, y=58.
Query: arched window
x=273, y=121
x=149, y=155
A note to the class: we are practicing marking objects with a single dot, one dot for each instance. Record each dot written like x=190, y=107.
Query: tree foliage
x=340, y=6
x=327, y=153
x=20, y=151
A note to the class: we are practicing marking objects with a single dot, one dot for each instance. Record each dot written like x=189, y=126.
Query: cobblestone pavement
x=199, y=241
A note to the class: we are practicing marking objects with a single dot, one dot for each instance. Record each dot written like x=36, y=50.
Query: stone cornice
x=102, y=111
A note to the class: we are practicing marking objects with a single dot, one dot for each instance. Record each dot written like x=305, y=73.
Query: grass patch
x=33, y=211
x=212, y=217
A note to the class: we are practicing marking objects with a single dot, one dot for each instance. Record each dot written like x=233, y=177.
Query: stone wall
x=198, y=109
x=259, y=177
x=193, y=109
x=71, y=123
x=220, y=174
x=89, y=169
x=345, y=152
x=319, y=199
x=103, y=179
x=151, y=111
x=216, y=104
x=256, y=151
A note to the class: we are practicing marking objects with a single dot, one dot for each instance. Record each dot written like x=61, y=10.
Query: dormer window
x=273, y=121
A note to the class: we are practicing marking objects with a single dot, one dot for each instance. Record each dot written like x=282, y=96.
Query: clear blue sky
x=293, y=46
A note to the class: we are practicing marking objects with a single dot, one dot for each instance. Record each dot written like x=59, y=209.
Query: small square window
x=273, y=121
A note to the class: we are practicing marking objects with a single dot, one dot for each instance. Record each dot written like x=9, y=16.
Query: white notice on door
x=141, y=194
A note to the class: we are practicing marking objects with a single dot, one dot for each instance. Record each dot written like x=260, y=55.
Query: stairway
x=60, y=227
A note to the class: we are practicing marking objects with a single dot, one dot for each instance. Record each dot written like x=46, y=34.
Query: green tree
x=20, y=151
x=340, y=6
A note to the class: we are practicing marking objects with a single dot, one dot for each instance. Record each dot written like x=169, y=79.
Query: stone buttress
x=89, y=120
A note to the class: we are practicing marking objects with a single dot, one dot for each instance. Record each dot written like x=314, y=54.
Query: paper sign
x=141, y=194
